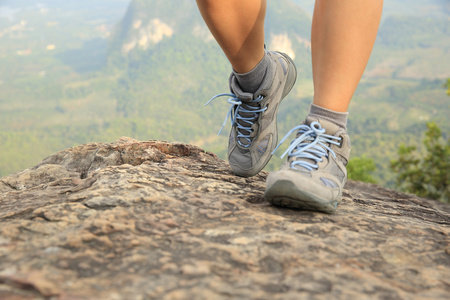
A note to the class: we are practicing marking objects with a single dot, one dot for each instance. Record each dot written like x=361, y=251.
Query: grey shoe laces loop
x=243, y=123
x=311, y=143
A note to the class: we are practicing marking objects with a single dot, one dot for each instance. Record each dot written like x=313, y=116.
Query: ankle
x=251, y=81
x=338, y=118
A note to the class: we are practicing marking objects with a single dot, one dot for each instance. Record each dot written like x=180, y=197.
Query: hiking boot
x=315, y=172
x=253, y=134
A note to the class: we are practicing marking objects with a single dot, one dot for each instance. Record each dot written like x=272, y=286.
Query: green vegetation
x=425, y=173
x=406, y=32
x=361, y=168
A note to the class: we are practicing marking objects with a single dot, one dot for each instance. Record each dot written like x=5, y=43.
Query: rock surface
x=159, y=220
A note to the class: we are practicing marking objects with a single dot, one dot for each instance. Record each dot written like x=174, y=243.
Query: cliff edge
x=160, y=220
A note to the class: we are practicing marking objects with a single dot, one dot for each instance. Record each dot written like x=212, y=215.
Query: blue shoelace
x=311, y=143
x=243, y=123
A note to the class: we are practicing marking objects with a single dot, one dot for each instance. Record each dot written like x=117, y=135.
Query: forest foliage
x=425, y=173
x=361, y=169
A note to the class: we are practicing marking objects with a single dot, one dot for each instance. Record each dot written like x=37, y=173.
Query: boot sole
x=284, y=193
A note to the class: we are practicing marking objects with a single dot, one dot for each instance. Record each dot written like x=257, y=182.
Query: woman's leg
x=342, y=37
x=238, y=27
x=259, y=82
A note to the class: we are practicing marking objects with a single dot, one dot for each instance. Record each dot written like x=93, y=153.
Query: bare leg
x=342, y=38
x=238, y=27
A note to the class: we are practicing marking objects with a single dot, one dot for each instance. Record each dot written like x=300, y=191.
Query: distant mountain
x=150, y=22
x=146, y=23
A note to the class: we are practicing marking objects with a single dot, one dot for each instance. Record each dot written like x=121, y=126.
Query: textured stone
x=159, y=220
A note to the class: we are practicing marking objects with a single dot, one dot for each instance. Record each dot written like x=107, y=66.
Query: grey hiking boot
x=315, y=172
x=253, y=134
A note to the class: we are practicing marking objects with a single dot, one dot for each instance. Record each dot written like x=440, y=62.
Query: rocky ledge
x=159, y=220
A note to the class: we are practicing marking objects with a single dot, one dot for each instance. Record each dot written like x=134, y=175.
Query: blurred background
x=73, y=72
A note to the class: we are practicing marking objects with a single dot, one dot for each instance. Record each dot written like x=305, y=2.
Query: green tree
x=361, y=168
x=447, y=85
x=425, y=174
